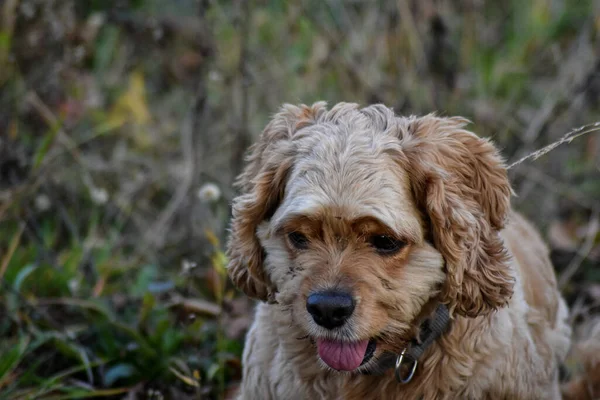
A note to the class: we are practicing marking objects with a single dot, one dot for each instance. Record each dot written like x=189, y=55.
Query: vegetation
x=123, y=124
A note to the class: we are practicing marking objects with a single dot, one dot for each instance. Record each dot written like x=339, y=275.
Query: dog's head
x=358, y=220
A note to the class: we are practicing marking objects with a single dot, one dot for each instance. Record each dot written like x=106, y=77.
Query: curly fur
x=340, y=175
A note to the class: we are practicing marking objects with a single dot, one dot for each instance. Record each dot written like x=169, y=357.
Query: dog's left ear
x=460, y=182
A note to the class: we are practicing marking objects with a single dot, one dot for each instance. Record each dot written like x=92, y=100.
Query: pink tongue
x=343, y=356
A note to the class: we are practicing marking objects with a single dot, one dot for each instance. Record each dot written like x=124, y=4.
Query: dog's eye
x=298, y=240
x=386, y=245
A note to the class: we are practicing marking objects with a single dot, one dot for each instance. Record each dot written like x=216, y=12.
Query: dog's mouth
x=345, y=356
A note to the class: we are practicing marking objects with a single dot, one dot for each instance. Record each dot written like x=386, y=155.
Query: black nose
x=330, y=309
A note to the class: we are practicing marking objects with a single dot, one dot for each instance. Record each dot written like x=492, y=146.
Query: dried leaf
x=198, y=306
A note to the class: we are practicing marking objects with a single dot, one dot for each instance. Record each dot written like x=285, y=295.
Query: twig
x=556, y=102
x=70, y=146
x=243, y=135
x=54, y=123
x=577, y=309
x=583, y=252
x=155, y=233
x=583, y=308
x=8, y=12
x=567, y=138
x=541, y=119
x=197, y=306
x=193, y=125
x=412, y=32
x=554, y=185
x=343, y=60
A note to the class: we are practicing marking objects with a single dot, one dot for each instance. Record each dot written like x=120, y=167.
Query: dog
x=586, y=353
x=390, y=264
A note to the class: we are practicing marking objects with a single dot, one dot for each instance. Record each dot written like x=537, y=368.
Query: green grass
x=69, y=335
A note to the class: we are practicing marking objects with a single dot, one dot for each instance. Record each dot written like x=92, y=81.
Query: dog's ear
x=461, y=184
x=262, y=185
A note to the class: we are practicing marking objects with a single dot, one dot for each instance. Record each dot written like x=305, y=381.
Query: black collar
x=431, y=329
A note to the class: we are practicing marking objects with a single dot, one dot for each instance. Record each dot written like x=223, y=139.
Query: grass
x=68, y=334
x=121, y=129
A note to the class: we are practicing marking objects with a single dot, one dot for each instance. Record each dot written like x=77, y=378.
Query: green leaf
x=5, y=39
x=22, y=275
x=49, y=233
x=57, y=381
x=44, y=147
x=148, y=273
x=71, y=259
x=171, y=340
x=78, y=393
x=119, y=371
x=212, y=371
x=105, y=48
x=73, y=350
x=147, y=306
x=10, y=359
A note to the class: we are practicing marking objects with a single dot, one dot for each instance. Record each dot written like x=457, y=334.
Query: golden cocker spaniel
x=390, y=264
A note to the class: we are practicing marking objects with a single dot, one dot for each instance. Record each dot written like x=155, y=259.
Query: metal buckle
x=413, y=369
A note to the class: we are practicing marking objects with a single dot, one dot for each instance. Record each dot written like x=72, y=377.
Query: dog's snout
x=330, y=309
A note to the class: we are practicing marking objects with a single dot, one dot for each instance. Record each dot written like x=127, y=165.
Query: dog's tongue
x=343, y=356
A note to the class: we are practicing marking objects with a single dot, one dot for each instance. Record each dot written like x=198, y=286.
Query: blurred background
x=124, y=122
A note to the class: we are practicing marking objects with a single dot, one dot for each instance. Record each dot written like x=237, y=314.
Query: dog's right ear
x=262, y=185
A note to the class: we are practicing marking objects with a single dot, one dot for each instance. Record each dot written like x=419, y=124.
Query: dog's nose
x=330, y=309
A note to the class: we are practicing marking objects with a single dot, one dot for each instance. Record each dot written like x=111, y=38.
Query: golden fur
x=587, y=352
x=340, y=175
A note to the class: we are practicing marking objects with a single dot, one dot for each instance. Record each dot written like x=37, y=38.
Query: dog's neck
x=430, y=329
